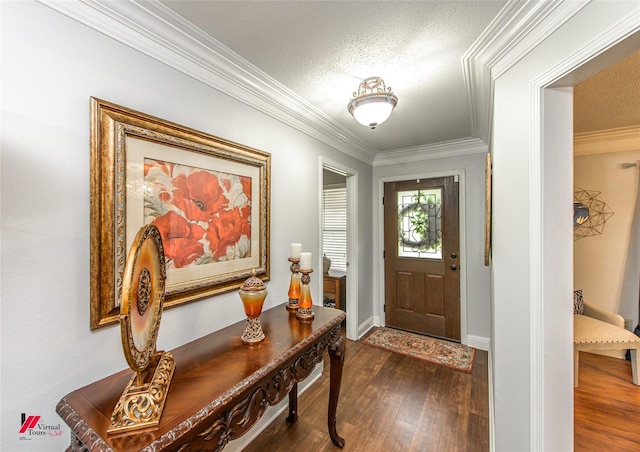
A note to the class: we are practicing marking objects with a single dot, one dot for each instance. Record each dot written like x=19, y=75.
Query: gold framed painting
x=209, y=198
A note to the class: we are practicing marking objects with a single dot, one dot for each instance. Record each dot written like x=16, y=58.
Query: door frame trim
x=461, y=176
x=352, y=242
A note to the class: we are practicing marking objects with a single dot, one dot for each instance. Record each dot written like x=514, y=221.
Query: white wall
x=476, y=285
x=599, y=261
x=532, y=254
x=51, y=65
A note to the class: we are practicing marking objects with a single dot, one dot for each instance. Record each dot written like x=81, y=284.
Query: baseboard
x=479, y=342
x=272, y=413
x=364, y=327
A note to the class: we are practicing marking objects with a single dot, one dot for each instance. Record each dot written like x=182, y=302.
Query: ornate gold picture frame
x=209, y=197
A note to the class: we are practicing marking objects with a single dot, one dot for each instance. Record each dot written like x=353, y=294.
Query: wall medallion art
x=143, y=399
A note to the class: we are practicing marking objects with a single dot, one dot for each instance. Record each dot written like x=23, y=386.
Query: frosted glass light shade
x=373, y=114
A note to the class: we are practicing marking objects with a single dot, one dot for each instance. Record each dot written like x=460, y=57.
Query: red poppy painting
x=209, y=198
x=203, y=216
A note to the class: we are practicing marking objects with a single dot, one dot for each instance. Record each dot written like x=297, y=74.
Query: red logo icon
x=28, y=423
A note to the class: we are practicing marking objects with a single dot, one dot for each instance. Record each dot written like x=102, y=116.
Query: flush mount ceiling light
x=373, y=103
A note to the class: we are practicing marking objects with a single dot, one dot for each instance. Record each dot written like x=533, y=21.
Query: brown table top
x=209, y=373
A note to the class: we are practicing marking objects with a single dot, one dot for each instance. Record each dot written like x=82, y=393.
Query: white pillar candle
x=305, y=261
x=295, y=250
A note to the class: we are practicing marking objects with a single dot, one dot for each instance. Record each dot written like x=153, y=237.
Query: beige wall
x=599, y=260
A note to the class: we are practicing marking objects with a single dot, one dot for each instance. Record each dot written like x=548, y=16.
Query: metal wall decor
x=590, y=213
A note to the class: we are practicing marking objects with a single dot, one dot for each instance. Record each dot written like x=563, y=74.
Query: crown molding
x=518, y=28
x=603, y=141
x=156, y=31
x=455, y=148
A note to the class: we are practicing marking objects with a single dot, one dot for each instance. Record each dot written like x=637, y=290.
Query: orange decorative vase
x=253, y=293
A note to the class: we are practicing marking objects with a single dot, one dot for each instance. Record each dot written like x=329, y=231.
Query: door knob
x=454, y=267
x=453, y=255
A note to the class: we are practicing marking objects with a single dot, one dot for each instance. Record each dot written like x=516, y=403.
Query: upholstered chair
x=595, y=329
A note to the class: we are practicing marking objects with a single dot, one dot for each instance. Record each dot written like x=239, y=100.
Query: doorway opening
x=338, y=227
x=552, y=244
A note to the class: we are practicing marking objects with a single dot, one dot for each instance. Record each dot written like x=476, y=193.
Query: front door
x=422, y=256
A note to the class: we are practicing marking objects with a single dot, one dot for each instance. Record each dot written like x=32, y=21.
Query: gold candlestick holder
x=305, y=314
x=294, y=286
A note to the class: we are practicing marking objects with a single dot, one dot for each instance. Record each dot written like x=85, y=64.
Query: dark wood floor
x=606, y=406
x=390, y=402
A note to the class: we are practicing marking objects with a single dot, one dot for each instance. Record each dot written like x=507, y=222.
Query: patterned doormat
x=438, y=351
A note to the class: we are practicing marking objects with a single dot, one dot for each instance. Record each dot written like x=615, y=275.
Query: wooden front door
x=422, y=256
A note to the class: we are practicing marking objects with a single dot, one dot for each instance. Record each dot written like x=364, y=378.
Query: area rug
x=438, y=351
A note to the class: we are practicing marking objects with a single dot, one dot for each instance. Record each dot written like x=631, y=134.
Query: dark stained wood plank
x=390, y=402
x=606, y=405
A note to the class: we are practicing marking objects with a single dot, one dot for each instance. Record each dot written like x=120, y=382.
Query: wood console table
x=220, y=387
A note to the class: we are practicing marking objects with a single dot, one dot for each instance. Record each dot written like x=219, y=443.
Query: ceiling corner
x=516, y=30
x=603, y=141
x=454, y=148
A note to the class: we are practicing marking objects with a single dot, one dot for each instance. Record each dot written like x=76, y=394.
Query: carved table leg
x=336, y=354
x=293, y=404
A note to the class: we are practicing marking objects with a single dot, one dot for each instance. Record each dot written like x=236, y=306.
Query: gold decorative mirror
x=142, y=401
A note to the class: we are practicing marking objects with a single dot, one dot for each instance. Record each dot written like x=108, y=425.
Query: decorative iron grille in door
x=420, y=223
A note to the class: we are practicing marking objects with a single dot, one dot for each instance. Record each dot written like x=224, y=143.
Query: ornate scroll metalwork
x=419, y=221
x=253, y=331
x=141, y=406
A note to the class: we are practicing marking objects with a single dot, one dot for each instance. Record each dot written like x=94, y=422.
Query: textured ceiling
x=321, y=50
x=609, y=99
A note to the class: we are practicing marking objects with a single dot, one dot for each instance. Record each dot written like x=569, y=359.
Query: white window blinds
x=334, y=226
